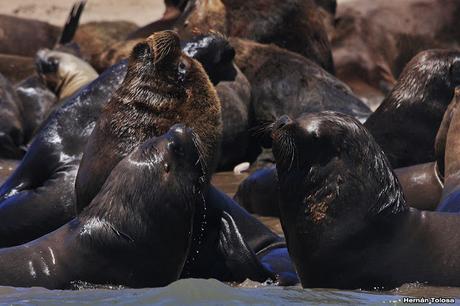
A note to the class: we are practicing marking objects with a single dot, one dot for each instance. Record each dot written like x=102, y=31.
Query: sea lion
x=344, y=214
x=60, y=141
x=449, y=201
x=406, y=123
x=21, y=36
x=16, y=68
x=294, y=25
x=162, y=87
x=11, y=121
x=374, y=40
x=37, y=101
x=285, y=83
x=120, y=237
x=62, y=72
x=234, y=90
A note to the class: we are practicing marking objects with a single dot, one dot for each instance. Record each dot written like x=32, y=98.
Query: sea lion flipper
x=71, y=24
x=239, y=258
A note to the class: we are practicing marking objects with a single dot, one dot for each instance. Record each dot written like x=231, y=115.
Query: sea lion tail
x=72, y=22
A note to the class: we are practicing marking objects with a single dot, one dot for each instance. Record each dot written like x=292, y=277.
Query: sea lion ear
x=140, y=50
x=455, y=72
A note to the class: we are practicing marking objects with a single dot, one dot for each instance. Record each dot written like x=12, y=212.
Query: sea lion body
x=15, y=67
x=11, y=121
x=21, y=36
x=119, y=238
x=285, y=83
x=344, y=214
x=38, y=102
x=406, y=123
x=162, y=87
x=61, y=141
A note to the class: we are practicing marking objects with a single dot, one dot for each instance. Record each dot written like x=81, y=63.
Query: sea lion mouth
x=165, y=46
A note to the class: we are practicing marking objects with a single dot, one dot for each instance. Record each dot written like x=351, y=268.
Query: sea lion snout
x=282, y=122
x=164, y=45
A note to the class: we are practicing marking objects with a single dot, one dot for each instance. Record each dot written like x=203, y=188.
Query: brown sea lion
x=406, y=123
x=344, y=214
x=63, y=73
x=374, y=40
x=127, y=235
x=295, y=25
x=16, y=68
x=162, y=87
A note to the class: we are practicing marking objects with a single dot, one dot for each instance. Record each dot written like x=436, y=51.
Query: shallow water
x=196, y=292
x=213, y=292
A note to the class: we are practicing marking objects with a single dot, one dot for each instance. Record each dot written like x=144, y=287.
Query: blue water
x=196, y=292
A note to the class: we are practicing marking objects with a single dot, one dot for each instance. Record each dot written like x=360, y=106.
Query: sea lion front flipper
x=239, y=258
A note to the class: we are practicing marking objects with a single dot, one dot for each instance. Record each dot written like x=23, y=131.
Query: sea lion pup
x=294, y=25
x=343, y=211
x=63, y=73
x=120, y=237
x=162, y=87
x=11, y=121
x=406, y=123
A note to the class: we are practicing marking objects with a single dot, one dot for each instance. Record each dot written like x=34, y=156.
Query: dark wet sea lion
x=295, y=25
x=344, y=214
x=60, y=141
x=11, y=121
x=63, y=73
x=231, y=245
x=422, y=185
x=119, y=238
x=37, y=101
x=406, y=123
x=259, y=193
x=48, y=188
x=285, y=83
x=162, y=87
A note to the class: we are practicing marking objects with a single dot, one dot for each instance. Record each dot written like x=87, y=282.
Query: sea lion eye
x=183, y=67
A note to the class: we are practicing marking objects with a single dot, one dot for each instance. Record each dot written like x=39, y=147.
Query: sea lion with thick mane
x=162, y=87
x=406, y=123
x=344, y=214
x=120, y=238
x=63, y=72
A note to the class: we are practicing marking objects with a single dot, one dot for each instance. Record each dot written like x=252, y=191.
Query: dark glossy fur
x=120, y=238
x=344, y=215
x=406, y=123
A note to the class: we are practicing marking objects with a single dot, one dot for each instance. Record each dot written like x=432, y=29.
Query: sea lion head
x=62, y=72
x=215, y=53
x=166, y=169
x=430, y=76
x=333, y=177
x=167, y=87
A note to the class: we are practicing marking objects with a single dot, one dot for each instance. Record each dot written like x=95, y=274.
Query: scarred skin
x=344, y=214
x=120, y=238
